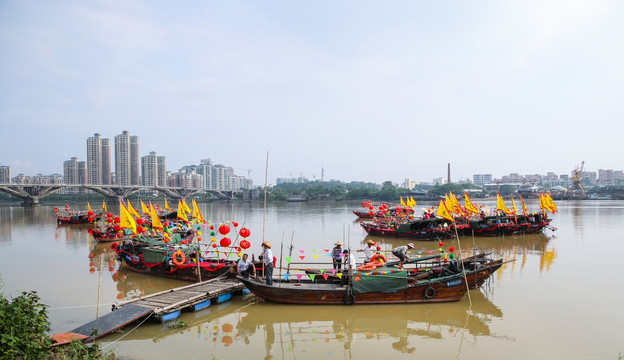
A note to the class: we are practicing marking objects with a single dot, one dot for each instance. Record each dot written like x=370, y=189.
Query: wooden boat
x=509, y=224
x=384, y=285
x=421, y=229
x=154, y=257
x=74, y=219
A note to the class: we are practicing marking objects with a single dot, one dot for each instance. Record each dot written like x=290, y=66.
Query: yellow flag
x=443, y=211
x=524, y=208
x=104, y=206
x=181, y=212
x=413, y=201
x=144, y=208
x=403, y=202
x=500, y=204
x=551, y=203
x=186, y=207
x=167, y=205
x=544, y=204
x=155, y=220
x=89, y=206
x=455, y=204
x=470, y=206
x=513, y=205
x=127, y=222
x=132, y=210
x=197, y=214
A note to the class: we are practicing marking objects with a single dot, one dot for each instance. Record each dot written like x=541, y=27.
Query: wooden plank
x=113, y=321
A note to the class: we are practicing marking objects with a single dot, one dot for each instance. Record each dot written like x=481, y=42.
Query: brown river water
x=560, y=299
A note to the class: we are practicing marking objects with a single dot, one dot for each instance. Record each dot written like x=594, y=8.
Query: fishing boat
x=155, y=257
x=510, y=224
x=421, y=229
x=383, y=285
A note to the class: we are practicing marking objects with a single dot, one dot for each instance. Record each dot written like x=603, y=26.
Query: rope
x=129, y=332
x=77, y=306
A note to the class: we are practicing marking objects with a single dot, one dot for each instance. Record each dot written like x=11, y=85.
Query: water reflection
x=300, y=329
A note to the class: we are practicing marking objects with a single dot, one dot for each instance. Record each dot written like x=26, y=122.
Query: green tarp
x=382, y=279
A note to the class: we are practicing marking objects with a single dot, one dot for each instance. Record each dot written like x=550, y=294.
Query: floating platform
x=163, y=306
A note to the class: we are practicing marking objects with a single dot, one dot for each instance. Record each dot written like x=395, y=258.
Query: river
x=560, y=299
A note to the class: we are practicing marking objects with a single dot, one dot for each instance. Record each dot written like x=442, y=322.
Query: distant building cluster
x=131, y=169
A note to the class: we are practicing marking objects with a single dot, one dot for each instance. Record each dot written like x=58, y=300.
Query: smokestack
x=449, y=173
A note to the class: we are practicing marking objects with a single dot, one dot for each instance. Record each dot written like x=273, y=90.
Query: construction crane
x=248, y=172
x=577, y=178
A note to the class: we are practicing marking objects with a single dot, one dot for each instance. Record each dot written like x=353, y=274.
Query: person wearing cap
x=369, y=250
x=349, y=261
x=401, y=253
x=267, y=255
x=337, y=255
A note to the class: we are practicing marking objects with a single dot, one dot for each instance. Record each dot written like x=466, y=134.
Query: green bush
x=24, y=326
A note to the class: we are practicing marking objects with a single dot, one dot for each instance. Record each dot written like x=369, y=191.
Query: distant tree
x=506, y=190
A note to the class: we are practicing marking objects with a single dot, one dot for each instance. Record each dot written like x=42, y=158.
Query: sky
x=366, y=90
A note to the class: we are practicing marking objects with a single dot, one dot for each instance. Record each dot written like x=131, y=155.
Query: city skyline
x=373, y=92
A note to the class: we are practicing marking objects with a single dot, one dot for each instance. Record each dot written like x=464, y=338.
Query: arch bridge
x=32, y=193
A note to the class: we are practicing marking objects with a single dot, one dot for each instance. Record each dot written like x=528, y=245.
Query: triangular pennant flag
x=127, y=222
x=167, y=205
x=132, y=210
x=299, y=276
x=333, y=271
x=302, y=257
x=89, y=206
x=315, y=256
x=144, y=208
x=288, y=258
x=312, y=276
x=197, y=214
x=286, y=276
x=322, y=271
x=155, y=220
x=181, y=211
x=325, y=276
x=339, y=275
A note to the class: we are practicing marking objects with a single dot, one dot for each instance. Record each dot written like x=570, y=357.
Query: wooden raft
x=164, y=306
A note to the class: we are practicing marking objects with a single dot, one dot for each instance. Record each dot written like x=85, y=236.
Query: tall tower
x=127, y=159
x=449, y=173
x=98, y=160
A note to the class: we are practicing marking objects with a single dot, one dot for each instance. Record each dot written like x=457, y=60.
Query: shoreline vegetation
x=336, y=191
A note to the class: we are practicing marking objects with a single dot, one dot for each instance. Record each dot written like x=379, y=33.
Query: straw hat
x=267, y=244
x=410, y=245
x=369, y=241
x=338, y=243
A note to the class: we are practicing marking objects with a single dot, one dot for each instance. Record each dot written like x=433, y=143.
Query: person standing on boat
x=245, y=267
x=401, y=253
x=369, y=250
x=267, y=255
x=337, y=255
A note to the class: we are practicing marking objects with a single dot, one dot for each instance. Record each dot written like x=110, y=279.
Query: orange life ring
x=175, y=255
x=379, y=258
x=367, y=267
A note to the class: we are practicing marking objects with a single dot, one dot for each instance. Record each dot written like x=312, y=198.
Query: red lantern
x=235, y=224
x=140, y=229
x=441, y=243
x=211, y=227
x=224, y=229
x=117, y=228
x=451, y=249
x=214, y=245
x=225, y=242
x=109, y=215
x=245, y=244
x=139, y=221
x=109, y=220
x=90, y=213
x=117, y=220
x=244, y=232
x=90, y=219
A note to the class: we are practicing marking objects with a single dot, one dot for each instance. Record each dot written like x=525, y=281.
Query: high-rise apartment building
x=74, y=172
x=154, y=170
x=98, y=160
x=5, y=174
x=126, y=159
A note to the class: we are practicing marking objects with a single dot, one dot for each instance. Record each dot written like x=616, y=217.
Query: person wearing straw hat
x=401, y=253
x=268, y=262
x=337, y=255
x=369, y=250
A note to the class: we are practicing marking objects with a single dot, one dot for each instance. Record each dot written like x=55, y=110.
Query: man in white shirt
x=245, y=267
x=268, y=262
x=369, y=250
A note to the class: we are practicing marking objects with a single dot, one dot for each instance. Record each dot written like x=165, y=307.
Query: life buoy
x=349, y=299
x=175, y=256
x=367, y=267
x=430, y=292
x=379, y=258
